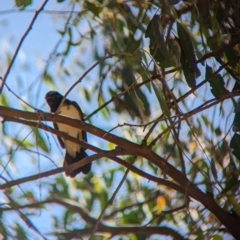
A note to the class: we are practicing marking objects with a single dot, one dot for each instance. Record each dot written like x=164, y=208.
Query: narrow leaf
x=216, y=82
x=187, y=48
x=139, y=101
x=188, y=72
x=235, y=145
x=160, y=204
x=236, y=121
x=214, y=170
x=95, y=7
x=23, y=3
x=40, y=141
x=161, y=99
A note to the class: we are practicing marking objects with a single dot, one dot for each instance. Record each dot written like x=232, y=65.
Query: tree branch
x=137, y=150
x=148, y=231
x=93, y=148
x=74, y=207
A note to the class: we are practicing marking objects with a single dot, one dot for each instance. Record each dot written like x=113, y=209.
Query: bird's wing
x=84, y=134
x=59, y=138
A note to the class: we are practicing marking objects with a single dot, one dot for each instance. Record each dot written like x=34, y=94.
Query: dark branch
x=148, y=231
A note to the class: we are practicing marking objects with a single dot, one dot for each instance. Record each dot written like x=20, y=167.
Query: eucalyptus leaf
x=235, y=145
x=188, y=57
x=161, y=99
x=40, y=141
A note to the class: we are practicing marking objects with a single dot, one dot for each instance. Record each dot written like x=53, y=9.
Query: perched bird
x=74, y=151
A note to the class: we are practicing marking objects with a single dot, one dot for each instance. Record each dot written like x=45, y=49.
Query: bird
x=74, y=151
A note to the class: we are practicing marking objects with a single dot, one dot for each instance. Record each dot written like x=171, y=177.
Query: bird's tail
x=70, y=160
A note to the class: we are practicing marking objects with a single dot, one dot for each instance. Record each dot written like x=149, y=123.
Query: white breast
x=71, y=112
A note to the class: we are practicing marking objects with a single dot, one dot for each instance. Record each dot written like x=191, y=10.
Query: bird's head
x=53, y=99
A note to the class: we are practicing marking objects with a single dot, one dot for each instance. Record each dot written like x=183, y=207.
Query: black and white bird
x=74, y=151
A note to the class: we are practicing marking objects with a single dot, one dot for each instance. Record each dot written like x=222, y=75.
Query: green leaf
x=3, y=230
x=3, y=100
x=236, y=87
x=235, y=203
x=214, y=41
x=188, y=58
x=208, y=71
x=173, y=2
x=236, y=121
x=139, y=101
x=128, y=75
x=129, y=105
x=23, y=3
x=232, y=54
x=103, y=198
x=167, y=54
x=230, y=183
x=174, y=50
x=40, y=141
x=144, y=100
x=214, y=170
x=216, y=237
x=186, y=45
x=86, y=94
x=25, y=144
x=154, y=30
x=133, y=217
x=20, y=233
x=132, y=101
x=188, y=72
x=48, y=79
x=161, y=99
x=65, y=218
x=93, y=7
x=69, y=44
x=217, y=83
x=164, y=52
x=235, y=145
x=61, y=32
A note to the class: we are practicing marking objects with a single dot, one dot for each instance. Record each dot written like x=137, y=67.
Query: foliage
x=158, y=82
